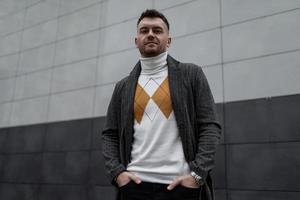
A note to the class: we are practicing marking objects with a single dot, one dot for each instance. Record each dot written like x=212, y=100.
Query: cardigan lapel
x=129, y=96
x=176, y=90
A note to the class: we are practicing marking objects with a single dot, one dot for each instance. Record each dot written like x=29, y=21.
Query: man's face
x=152, y=37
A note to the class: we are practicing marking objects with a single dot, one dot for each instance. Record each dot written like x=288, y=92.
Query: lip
x=150, y=43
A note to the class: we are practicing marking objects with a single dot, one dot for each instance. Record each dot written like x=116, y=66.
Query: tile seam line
x=83, y=60
x=49, y=94
x=129, y=49
x=82, y=8
x=49, y=68
x=76, y=62
x=42, y=183
x=58, y=16
x=111, y=83
x=53, y=184
x=48, y=152
x=132, y=18
x=95, y=30
x=50, y=122
x=257, y=190
x=260, y=17
x=177, y=5
x=114, y=82
x=57, y=93
x=11, y=112
x=261, y=56
x=53, y=41
x=96, y=78
x=98, y=29
x=263, y=142
x=264, y=98
x=61, y=16
x=225, y=153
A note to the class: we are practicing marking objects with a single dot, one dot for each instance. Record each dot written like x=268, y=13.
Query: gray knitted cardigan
x=195, y=114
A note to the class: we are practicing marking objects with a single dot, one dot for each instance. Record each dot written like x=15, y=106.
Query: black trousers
x=156, y=191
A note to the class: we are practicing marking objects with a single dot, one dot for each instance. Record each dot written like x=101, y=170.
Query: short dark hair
x=152, y=13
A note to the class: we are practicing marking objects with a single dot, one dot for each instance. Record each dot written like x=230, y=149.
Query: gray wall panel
x=10, y=44
x=235, y=11
x=42, y=11
x=11, y=23
x=39, y=35
x=36, y=108
x=36, y=59
x=261, y=37
x=8, y=66
x=189, y=22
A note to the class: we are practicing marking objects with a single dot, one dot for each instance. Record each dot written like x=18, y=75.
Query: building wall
x=60, y=60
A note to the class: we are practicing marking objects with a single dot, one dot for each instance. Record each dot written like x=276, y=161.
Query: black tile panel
x=262, y=120
x=25, y=139
x=247, y=121
x=103, y=193
x=18, y=192
x=220, y=195
x=3, y=137
x=70, y=135
x=218, y=173
x=220, y=112
x=53, y=167
x=98, y=173
x=22, y=168
x=98, y=124
x=76, y=167
x=285, y=118
x=263, y=195
x=269, y=166
x=2, y=161
x=63, y=192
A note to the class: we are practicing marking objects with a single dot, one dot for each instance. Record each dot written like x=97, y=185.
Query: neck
x=154, y=64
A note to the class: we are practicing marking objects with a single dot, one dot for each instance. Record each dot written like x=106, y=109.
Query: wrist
x=196, y=177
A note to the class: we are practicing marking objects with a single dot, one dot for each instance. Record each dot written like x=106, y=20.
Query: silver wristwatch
x=196, y=177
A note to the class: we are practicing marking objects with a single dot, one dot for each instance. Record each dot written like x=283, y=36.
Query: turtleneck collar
x=152, y=65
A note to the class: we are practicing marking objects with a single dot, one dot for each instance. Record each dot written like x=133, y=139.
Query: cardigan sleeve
x=110, y=137
x=208, y=129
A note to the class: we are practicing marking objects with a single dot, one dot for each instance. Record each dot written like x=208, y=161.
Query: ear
x=169, y=42
x=135, y=41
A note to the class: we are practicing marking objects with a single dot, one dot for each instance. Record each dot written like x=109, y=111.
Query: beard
x=151, y=51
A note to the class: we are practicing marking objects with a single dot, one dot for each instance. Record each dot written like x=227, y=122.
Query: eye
x=157, y=30
x=144, y=30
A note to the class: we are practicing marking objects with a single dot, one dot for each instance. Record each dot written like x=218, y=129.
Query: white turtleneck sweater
x=157, y=153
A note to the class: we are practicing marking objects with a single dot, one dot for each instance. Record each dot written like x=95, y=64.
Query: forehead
x=152, y=22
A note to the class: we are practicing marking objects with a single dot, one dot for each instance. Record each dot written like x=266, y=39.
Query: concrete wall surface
x=59, y=63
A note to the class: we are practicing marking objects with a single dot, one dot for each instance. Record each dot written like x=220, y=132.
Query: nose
x=150, y=34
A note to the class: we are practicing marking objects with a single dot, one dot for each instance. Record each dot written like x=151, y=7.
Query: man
x=161, y=131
